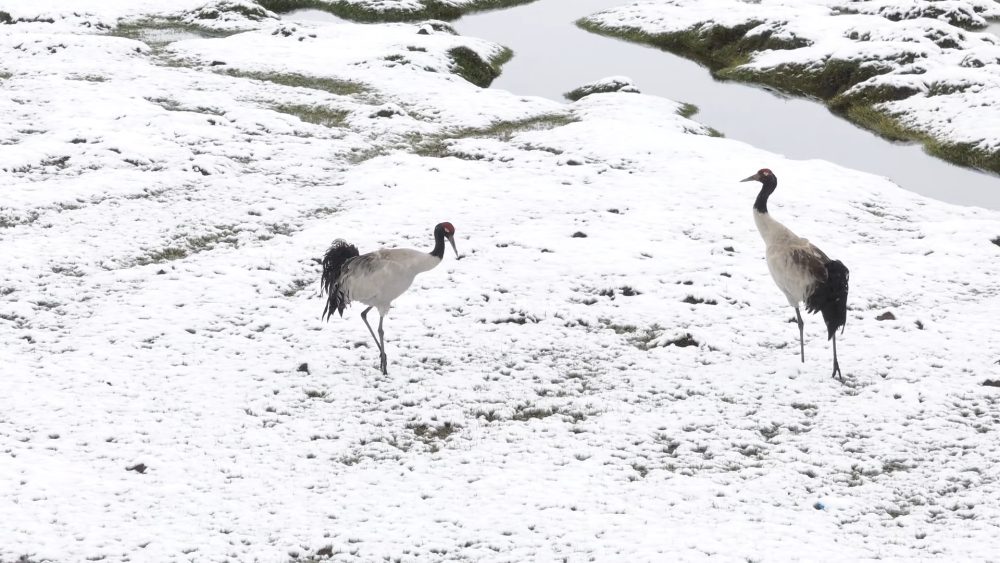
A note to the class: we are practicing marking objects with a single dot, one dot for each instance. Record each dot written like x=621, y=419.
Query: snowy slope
x=907, y=57
x=158, y=312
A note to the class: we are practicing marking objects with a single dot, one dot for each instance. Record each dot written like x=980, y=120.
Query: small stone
x=886, y=316
x=579, y=234
x=303, y=368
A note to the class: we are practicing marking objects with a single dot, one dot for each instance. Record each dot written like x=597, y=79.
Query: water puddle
x=553, y=56
x=311, y=15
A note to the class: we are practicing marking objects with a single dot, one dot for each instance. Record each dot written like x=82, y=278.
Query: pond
x=553, y=56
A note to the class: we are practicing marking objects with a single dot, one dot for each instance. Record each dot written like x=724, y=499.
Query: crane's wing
x=807, y=258
x=797, y=268
x=361, y=277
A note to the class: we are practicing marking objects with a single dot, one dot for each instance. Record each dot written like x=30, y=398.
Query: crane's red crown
x=448, y=228
x=765, y=172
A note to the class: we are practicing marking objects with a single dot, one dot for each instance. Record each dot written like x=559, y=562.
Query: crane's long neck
x=768, y=184
x=438, y=251
x=769, y=229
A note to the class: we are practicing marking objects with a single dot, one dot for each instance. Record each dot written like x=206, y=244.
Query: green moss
x=687, y=110
x=141, y=30
x=716, y=47
x=824, y=81
x=869, y=95
x=255, y=13
x=470, y=66
x=319, y=115
x=331, y=85
x=359, y=12
x=725, y=50
x=439, y=145
x=167, y=254
x=890, y=128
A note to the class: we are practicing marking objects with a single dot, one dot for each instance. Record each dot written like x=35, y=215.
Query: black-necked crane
x=377, y=278
x=802, y=272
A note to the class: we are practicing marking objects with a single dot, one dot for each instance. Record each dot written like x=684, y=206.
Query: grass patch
x=331, y=85
x=148, y=30
x=318, y=115
x=431, y=9
x=438, y=145
x=888, y=127
x=165, y=255
x=524, y=413
x=633, y=335
x=723, y=50
x=716, y=47
x=682, y=342
x=428, y=434
x=13, y=219
x=192, y=245
x=470, y=66
x=692, y=300
x=687, y=111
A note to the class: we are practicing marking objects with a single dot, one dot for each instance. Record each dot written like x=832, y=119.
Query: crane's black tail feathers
x=830, y=298
x=333, y=266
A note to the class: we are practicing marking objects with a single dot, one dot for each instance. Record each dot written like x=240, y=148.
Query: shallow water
x=553, y=56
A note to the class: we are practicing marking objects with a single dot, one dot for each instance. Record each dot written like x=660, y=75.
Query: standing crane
x=801, y=271
x=376, y=278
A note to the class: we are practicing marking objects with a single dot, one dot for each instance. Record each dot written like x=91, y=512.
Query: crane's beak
x=755, y=177
x=451, y=239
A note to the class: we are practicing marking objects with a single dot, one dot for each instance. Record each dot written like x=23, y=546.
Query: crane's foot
x=384, y=365
x=836, y=371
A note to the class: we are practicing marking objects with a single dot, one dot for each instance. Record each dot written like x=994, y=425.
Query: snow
x=953, y=74
x=158, y=306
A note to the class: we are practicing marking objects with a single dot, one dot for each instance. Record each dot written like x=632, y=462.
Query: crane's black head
x=768, y=183
x=443, y=231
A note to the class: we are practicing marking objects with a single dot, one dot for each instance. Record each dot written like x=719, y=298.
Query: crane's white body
x=378, y=278
x=796, y=265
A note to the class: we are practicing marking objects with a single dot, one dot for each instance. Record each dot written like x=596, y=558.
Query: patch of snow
x=169, y=391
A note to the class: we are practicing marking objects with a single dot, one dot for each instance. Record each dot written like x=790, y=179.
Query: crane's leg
x=802, y=344
x=381, y=335
x=836, y=366
x=364, y=317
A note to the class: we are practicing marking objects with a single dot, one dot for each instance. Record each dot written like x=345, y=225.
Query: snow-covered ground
x=909, y=57
x=168, y=392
